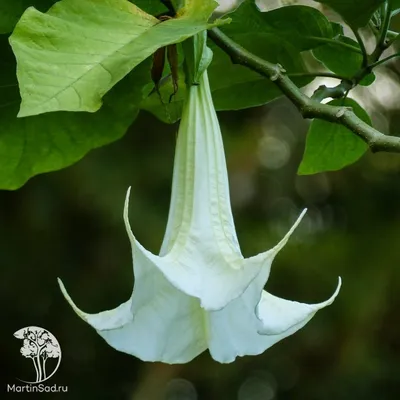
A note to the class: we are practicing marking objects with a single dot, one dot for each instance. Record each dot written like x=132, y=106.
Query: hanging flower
x=199, y=292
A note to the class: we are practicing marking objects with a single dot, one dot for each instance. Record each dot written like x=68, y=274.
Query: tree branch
x=368, y=64
x=309, y=108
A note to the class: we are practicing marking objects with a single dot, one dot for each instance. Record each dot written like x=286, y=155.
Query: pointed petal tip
x=134, y=242
x=300, y=313
x=338, y=287
x=298, y=220
x=126, y=216
x=70, y=301
x=332, y=298
x=285, y=239
x=271, y=253
x=62, y=287
x=127, y=196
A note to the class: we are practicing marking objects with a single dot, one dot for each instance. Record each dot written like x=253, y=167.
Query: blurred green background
x=69, y=224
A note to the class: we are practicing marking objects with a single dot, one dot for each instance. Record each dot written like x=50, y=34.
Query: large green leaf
x=330, y=146
x=43, y=143
x=71, y=56
x=304, y=27
x=11, y=11
x=234, y=86
x=341, y=60
x=356, y=13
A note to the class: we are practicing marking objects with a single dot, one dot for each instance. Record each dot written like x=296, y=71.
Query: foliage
x=331, y=147
x=98, y=49
x=356, y=12
x=343, y=61
x=84, y=66
x=48, y=142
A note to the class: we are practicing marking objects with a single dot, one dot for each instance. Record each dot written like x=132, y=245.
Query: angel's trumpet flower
x=199, y=292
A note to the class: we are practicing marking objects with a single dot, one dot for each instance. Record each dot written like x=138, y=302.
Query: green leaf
x=236, y=87
x=153, y=7
x=330, y=146
x=341, y=60
x=356, y=13
x=233, y=86
x=11, y=11
x=71, y=56
x=304, y=27
x=34, y=145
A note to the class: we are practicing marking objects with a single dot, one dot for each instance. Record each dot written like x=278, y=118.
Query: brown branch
x=309, y=108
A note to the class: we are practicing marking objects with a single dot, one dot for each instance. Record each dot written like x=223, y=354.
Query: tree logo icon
x=40, y=345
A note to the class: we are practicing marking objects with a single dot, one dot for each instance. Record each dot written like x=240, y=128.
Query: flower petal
x=207, y=275
x=262, y=262
x=168, y=329
x=271, y=254
x=235, y=330
x=284, y=317
x=240, y=315
x=159, y=322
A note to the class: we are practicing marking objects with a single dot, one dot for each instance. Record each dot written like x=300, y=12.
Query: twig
x=386, y=59
x=385, y=26
x=362, y=47
x=382, y=43
x=373, y=28
x=369, y=61
x=309, y=108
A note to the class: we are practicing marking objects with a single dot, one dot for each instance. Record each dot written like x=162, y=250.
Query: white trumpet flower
x=199, y=292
